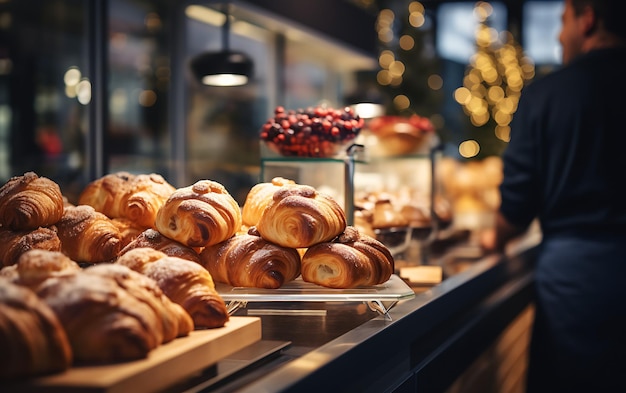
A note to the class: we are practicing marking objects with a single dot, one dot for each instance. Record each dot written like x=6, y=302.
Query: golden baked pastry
x=417, y=216
x=363, y=221
x=386, y=216
x=351, y=260
x=106, y=193
x=175, y=321
x=129, y=230
x=299, y=216
x=248, y=260
x=200, y=215
x=88, y=235
x=149, y=192
x=32, y=340
x=15, y=243
x=259, y=196
x=35, y=266
x=184, y=282
x=104, y=323
x=124, y=195
x=154, y=239
x=30, y=202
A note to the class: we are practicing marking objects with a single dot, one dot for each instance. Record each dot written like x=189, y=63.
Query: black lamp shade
x=225, y=68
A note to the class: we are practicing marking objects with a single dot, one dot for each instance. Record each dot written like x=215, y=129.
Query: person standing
x=565, y=165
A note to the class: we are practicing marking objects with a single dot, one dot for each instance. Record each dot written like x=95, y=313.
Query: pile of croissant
x=133, y=263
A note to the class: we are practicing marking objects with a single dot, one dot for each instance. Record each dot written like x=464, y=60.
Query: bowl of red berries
x=311, y=132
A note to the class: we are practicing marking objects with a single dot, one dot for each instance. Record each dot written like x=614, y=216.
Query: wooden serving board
x=165, y=365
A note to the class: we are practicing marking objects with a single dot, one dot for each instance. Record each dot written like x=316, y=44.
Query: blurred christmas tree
x=491, y=88
x=409, y=69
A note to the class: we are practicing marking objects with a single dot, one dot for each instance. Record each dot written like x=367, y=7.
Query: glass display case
x=404, y=186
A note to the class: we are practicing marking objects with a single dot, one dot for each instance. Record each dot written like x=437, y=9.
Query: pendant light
x=223, y=68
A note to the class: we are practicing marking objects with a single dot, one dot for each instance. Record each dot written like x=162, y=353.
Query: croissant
x=15, y=243
x=298, y=216
x=32, y=340
x=30, y=202
x=124, y=195
x=104, y=323
x=129, y=230
x=200, y=215
x=259, y=196
x=106, y=193
x=184, y=282
x=175, y=321
x=154, y=239
x=148, y=194
x=349, y=261
x=88, y=236
x=35, y=266
x=248, y=260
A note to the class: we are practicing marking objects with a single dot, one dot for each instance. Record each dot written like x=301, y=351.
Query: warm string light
x=494, y=79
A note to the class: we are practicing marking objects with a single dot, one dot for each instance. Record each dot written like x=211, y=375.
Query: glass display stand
x=380, y=298
x=343, y=176
x=333, y=176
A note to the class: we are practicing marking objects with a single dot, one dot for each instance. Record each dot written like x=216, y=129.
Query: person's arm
x=496, y=238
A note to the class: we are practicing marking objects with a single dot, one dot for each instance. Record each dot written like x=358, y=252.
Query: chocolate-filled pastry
x=106, y=193
x=154, y=239
x=14, y=243
x=35, y=266
x=298, y=217
x=104, y=322
x=200, y=215
x=30, y=202
x=32, y=340
x=259, y=196
x=88, y=236
x=349, y=261
x=184, y=282
x=175, y=321
x=248, y=260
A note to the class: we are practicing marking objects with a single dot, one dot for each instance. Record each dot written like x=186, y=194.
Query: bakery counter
x=423, y=343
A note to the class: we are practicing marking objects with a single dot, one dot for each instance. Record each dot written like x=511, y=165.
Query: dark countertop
x=346, y=346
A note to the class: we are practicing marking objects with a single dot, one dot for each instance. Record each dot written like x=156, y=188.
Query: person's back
x=575, y=130
x=565, y=166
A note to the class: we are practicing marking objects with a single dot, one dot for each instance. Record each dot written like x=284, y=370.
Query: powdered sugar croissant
x=184, y=282
x=32, y=340
x=30, y=202
x=175, y=321
x=298, y=217
x=200, y=215
x=248, y=260
x=15, y=243
x=125, y=195
x=154, y=239
x=35, y=266
x=149, y=192
x=106, y=193
x=259, y=196
x=103, y=322
x=88, y=236
x=349, y=261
